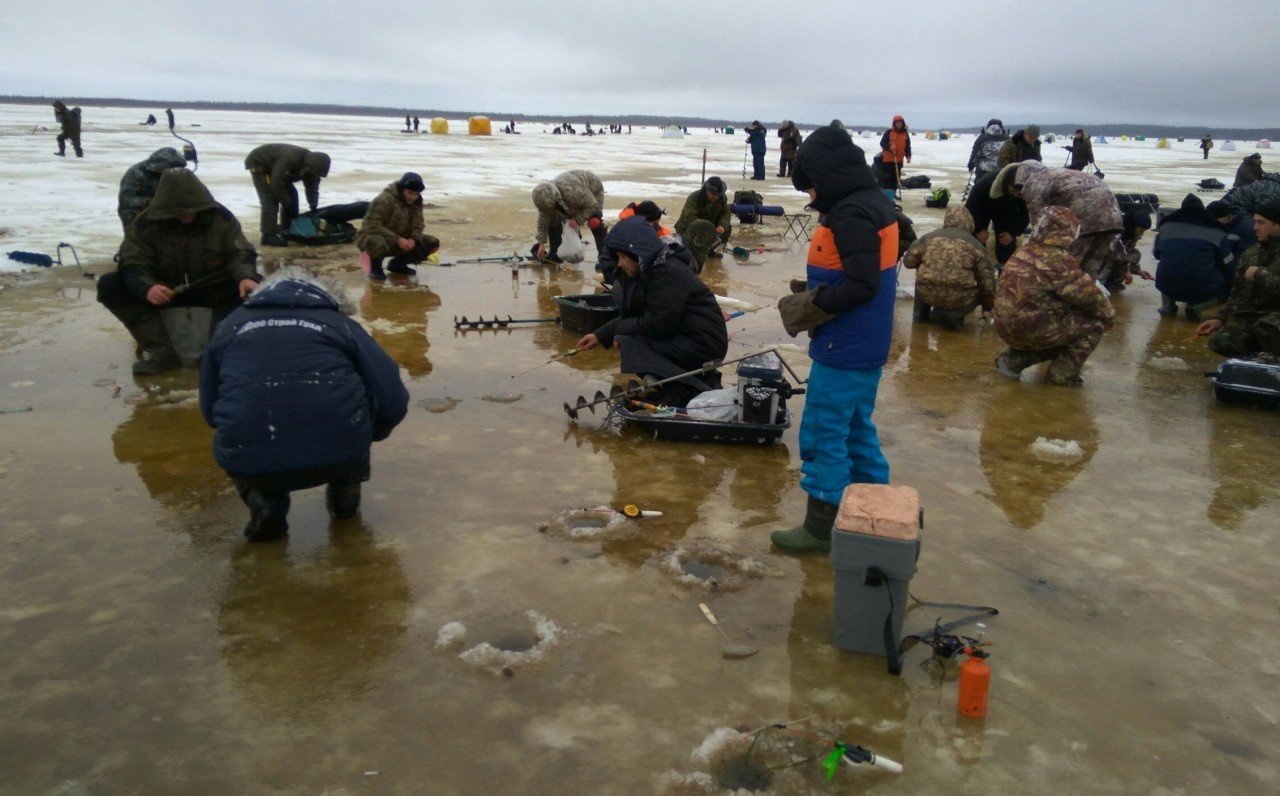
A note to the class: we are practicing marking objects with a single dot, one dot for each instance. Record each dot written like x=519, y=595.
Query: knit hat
x=715, y=185
x=412, y=182
x=1033, y=130
x=1270, y=211
x=1220, y=209
x=649, y=211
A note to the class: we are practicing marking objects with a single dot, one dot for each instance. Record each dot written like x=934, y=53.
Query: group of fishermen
x=183, y=248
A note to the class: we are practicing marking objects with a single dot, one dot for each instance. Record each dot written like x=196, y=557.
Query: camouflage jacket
x=954, y=269
x=1094, y=205
x=576, y=195
x=139, y=183
x=390, y=216
x=1260, y=295
x=1042, y=284
x=791, y=139
x=697, y=207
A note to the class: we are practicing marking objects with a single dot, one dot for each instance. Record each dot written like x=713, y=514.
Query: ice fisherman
x=1250, y=198
x=393, y=227
x=757, y=135
x=705, y=223
x=1081, y=150
x=1249, y=171
x=69, y=118
x=184, y=250
x=1195, y=264
x=169, y=113
x=955, y=273
x=1097, y=247
x=1206, y=143
x=895, y=151
x=1002, y=211
x=668, y=321
x=274, y=169
x=1047, y=308
x=575, y=198
x=847, y=307
x=138, y=186
x=297, y=393
x=986, y=149
x=1249, y=323
x=791, y=140
x=1022, y=145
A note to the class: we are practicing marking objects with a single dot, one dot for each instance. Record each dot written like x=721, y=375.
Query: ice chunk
x=452, y=634
x=1057, y=450
x=720, y=739
x=1169, y=363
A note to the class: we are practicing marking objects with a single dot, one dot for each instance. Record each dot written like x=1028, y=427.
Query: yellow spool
x=439, y=126
x=479, y=125
x=631, y=510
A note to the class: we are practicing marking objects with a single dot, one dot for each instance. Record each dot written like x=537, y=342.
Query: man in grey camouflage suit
x=574, y=197
x=1046, y=307
x=138, y=186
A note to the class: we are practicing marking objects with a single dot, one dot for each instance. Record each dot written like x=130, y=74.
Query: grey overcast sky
x=958, y=62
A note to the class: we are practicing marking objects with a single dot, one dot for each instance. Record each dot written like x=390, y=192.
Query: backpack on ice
x=918, y=181
x=749, y=199
x=1211, y=184
x=326, y=226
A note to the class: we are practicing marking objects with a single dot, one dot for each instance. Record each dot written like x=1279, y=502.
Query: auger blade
x=582, y=404
x=615, y=392
x=570, y=411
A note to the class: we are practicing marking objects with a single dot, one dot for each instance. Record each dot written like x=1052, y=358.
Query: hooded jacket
x=665, y=299
x=1016, y=150
x=1248, y=172
x=895, y=143
x=955, y=270
x=1194, y=258
x=986, y=148
x=160, y=249
x=1042, y=284
x=69, y=118
x=576, y=194
x=139, y=183
x=1094, y=205
x=389, y=217
x=853, y=252
x=1081, y=150
x=292, y=384
x=285, y=164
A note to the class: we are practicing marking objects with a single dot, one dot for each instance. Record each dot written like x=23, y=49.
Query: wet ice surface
x=151, y=650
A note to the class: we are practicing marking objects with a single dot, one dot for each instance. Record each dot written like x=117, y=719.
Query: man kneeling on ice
x=1249, y=324
x=183, y=250
x=298, y=393
x=668, y=321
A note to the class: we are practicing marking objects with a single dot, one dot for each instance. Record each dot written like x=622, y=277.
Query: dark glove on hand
x=800, y=313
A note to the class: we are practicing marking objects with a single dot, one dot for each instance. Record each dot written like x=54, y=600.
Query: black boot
x=342, y=500
x=400, y=265
x=273, y=239
x=814, y=535
x=267, y=515
x=157, y=354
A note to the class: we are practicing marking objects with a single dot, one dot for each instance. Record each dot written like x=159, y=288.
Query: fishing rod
x=188, y=150
x=558, y=357
x=462, y=324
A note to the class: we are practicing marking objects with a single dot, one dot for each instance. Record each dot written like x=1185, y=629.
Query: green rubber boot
x=814, y=536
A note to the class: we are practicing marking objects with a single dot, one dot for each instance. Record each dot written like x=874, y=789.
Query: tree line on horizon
x=1149, y=130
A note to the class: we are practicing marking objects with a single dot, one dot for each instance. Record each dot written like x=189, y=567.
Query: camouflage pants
x=1080, y=335
x=1094, y=252
x=1243, y=337
x=701, y=237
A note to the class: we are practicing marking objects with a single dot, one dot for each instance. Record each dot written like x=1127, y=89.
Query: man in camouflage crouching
x=1047, y=308
x=1249, y=324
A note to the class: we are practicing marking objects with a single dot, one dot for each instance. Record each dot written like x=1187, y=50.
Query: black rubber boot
x=342, y=500
x=157, y=354
x=376, y=273
x=267, y=516
x=814, y=535
x=273, y=239
x=400, y=265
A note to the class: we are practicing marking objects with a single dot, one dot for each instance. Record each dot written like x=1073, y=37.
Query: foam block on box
x=892, y=512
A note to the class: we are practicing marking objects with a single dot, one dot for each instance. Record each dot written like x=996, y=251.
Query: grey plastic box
x=860, y=609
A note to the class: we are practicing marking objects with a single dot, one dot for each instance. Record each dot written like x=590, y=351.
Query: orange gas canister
x=975, y=679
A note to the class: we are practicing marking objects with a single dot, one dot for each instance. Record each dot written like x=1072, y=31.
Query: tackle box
x=1247, y=381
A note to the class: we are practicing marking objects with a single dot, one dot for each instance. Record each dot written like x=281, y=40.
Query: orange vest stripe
x=823, y=253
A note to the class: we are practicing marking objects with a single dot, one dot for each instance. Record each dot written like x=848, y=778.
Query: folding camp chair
x=797, y=225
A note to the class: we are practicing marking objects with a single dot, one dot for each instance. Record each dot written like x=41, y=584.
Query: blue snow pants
x=838, y=443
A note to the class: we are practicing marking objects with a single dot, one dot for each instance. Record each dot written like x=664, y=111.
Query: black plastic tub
x=681, y=428
x=586, y=312
x=1245, y=381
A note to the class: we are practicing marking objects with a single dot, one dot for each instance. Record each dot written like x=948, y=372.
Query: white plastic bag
x=714, y=405
x=572, y=249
